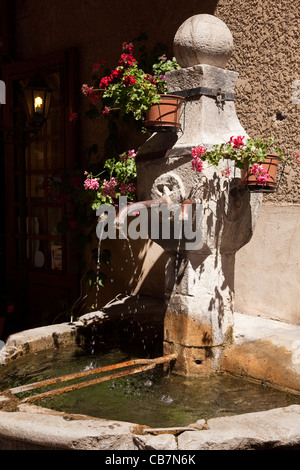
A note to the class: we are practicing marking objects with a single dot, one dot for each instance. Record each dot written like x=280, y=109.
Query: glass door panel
x=56, y=256
x=38, y=223
x=36, y=186
x=35, y=158
x=55, y=215
x=54, y=157
x=54, y=121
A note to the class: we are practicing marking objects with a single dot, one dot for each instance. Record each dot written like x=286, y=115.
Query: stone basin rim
x=97, y=433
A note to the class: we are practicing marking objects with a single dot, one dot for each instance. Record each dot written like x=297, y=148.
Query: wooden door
x=43, y=290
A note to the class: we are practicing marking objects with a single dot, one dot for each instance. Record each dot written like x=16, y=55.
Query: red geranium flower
x=127, y=47
x=116, y=73
x=127, y=59
x=129, y=80
x=104, y=82
x=237, y=142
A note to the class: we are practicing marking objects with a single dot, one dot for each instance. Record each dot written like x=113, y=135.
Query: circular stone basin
x=154, y=398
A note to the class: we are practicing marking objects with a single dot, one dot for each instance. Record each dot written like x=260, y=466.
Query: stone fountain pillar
x=199, y=282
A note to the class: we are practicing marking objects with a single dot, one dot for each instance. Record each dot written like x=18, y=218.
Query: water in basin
x=154, y=398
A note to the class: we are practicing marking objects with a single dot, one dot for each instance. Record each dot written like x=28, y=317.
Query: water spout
x=135, y=207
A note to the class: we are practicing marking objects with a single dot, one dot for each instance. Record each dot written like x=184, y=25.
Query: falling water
x=98, y=266
x=79, y=303
x=128, y=244
x=133, y=309
x=177, y=256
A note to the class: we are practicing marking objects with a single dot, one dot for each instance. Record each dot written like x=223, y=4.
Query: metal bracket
x=217, y=93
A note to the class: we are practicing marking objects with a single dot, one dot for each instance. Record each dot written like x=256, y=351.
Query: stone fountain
x=199, y=282
x=200, y=325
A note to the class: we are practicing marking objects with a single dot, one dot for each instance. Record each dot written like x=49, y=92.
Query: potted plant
x=130, y=91
x=80, y=193
x=257, y=158
x=118, y=178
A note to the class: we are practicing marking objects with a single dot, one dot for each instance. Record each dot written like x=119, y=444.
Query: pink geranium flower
x=106, y=110
x=127, y=188
x=128, y=154
x=91, y=183
x=197, y=154
x=260, y=173
x=198, y=151
x=131, y=154
x=109, y=188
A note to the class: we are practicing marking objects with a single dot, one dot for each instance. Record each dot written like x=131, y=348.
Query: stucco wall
x=267, y=275
x=266, y=55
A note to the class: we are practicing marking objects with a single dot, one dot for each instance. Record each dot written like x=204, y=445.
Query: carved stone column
x=199, y=287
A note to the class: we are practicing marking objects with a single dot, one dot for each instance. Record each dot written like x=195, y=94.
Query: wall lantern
x=37, y=98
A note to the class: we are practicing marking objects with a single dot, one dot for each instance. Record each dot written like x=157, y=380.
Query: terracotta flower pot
x=165, y=115
x=252, y=182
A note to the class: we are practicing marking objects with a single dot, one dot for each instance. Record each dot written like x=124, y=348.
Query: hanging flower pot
x=165, y=115
x=257, y=159
x=261, y=176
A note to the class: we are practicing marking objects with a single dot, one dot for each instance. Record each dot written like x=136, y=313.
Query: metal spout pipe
x=135, y=207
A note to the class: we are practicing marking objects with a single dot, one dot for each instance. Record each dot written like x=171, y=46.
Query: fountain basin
x=257, y=353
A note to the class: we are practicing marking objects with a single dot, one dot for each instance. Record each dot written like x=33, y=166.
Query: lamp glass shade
x=37, y=99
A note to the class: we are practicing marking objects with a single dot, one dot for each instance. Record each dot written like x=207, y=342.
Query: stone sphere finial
x=203, y=39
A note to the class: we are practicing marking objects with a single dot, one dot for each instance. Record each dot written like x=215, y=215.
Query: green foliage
x=253, y=151
x=160, y=69
x=117, y=179
x=132, y=98
x=123, y=170
x=95, y=279
x=128, y=90
x=83, y=193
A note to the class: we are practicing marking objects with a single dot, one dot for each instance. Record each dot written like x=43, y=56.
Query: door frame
x=67, y=62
